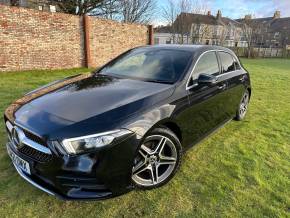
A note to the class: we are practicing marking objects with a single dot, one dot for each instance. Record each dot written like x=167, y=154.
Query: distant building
x=275, y=31
x=191, y=28
x=42, y=5
x=188, y=28
x=163, y=35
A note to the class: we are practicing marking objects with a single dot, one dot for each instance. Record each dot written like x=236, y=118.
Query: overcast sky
x=238, y=8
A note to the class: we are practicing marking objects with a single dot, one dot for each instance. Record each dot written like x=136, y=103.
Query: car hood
x=76, y=99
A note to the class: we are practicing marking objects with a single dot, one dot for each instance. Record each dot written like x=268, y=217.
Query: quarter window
x=227, y=61
x=207, y=64
x=237, y=65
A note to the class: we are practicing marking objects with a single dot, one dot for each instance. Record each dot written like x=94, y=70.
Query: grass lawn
x=243, y=170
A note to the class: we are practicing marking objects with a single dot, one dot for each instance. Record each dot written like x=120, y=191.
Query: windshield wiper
x=137, y=78
x=159, y=81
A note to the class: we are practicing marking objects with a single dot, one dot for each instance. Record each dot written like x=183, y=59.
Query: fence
x=31, y=39
x=262, y=52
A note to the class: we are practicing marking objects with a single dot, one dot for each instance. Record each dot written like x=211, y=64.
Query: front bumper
x=29, y=180
x=99, y=175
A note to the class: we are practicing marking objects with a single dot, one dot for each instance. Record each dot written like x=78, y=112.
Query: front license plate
x=19, y=162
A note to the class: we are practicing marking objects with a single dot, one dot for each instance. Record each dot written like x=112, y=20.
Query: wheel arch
x=250, y=91
x=173, y=126
x=169, y=124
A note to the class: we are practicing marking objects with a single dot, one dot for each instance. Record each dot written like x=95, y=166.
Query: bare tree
x=285, y=41
x=139, y=11
x=109, y=9
x=205, y=31
x=252, y=31
x=199, y=7
x=199, y=32
x=195, y=32
x=169, y=13
x=130, y=11
x=78, y=7
x=222, y=35
x=182, y=24
x=248, y=34
x=176, y=14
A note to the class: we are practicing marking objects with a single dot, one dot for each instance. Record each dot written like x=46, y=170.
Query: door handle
x=222, y=87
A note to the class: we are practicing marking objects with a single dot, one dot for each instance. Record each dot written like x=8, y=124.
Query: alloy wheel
x=155, y=161
x=244, y=105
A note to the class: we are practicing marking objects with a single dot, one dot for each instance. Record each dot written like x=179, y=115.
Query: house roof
x=199, y=18
x=228, y=21
x=208, y=19
x=162, y=29
x=281, y=24
x=263, y=19
x=187, y=19
x=275, y=24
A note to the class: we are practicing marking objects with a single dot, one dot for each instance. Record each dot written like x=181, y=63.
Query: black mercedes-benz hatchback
x=126, y=125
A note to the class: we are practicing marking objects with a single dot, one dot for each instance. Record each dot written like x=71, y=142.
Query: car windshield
x=162, y=65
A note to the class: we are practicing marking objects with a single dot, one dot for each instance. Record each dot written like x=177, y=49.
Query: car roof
x=191, y=48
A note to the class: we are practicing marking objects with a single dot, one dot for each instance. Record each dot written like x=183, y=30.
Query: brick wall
x=31, y=39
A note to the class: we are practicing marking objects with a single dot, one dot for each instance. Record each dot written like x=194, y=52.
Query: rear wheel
x=157, y=160
x=243, y=107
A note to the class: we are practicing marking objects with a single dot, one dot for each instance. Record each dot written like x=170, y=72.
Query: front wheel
x=243, y=107
x=157, y=160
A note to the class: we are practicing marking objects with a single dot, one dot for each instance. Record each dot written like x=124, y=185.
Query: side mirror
x=206, y=79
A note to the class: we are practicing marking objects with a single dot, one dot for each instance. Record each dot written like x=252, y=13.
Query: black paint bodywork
x=91, y=103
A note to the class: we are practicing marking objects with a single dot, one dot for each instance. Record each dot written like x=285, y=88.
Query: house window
x=216, y=30
x=276, y=35
x=40, y=7
x=52, y=8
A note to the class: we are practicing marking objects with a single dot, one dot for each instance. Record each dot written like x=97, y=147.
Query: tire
x=243, y=106
x=157, y=160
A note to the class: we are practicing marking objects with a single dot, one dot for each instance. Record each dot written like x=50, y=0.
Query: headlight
x=91, y=142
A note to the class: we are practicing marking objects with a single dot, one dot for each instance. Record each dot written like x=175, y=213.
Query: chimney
x=248, y=17
x=219, y=14
x=209, y=13
x=277, y=14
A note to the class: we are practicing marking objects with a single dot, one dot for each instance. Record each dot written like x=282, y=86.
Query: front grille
x=27, y=150
x=35, y=154
x=34, y=138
